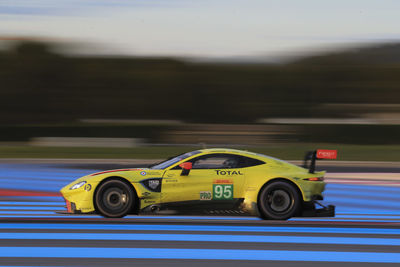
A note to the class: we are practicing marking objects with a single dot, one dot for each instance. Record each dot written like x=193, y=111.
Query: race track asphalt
x=365, y=232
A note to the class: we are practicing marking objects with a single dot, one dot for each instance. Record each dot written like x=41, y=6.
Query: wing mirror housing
x=186, y=167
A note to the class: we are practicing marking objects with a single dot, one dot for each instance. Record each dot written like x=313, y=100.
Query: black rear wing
x=317, y=154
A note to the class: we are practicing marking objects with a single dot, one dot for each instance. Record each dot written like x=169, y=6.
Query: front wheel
x=114, y=199
x=278, y=201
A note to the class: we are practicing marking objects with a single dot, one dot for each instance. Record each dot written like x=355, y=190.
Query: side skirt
x=216, y=207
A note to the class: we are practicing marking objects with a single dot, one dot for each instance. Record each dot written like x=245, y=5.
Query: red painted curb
x=25, y=193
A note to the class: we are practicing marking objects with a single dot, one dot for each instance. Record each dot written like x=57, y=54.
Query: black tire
x=278, y=201
x=114, y=199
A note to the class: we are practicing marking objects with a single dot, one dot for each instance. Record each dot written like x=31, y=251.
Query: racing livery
x=207, y=180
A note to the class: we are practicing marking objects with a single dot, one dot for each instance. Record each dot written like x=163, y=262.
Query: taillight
x=314, y=179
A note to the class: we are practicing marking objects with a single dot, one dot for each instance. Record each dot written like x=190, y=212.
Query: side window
x=249, y=162
x=216, y=161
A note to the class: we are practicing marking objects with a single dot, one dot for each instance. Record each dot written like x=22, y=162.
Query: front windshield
x=165, y=164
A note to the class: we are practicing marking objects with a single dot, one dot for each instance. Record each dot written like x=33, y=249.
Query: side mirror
x=186, y=167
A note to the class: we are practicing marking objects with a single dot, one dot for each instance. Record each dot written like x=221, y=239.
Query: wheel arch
x=136, y=206
x=281, y=179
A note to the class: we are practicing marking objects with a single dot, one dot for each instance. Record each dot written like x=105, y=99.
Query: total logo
x=143, y=173
x=228, y=172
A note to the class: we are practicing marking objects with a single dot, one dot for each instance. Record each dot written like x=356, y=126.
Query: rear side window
x=249, y=162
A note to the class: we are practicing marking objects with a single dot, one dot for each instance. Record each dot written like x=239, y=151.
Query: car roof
x=261, y=157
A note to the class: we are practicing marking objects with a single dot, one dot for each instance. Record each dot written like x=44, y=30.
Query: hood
x=133, y=175
x=142, y=171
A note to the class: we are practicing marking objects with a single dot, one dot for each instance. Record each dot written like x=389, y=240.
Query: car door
x=214, y=178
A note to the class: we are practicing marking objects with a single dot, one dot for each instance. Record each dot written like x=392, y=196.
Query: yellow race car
x=214, y=181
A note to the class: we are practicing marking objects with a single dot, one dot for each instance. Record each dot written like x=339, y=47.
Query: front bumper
x=71, y=207
x=78, y=201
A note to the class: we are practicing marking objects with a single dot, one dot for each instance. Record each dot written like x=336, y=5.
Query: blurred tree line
x=38, y=85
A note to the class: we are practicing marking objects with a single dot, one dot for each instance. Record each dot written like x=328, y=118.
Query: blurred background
x=92, y=85
x=149, y=79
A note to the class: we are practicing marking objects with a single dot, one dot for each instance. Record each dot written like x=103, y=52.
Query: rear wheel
x=114, y=198
x=278, y=201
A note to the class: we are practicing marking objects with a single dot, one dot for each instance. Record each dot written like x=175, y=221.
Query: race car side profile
x=206, y=180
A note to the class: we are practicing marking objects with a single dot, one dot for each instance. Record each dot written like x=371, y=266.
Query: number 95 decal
x=222, y=191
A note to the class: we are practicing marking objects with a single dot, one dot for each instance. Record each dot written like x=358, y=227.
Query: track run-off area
x=365, y=231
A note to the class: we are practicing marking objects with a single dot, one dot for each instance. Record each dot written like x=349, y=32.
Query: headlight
x=76, y=186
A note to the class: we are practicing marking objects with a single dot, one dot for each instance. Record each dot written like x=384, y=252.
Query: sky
x=204, y=28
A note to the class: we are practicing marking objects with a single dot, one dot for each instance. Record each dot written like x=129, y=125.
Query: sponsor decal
x=153, y=184
x=326, y=154
x=171, y=180
x=222, y=191
x=149, y=201
x=143, y=173
x=154, y=173
x=223, y=181
x=228, y=172
x=205, y=195
x=88, y=187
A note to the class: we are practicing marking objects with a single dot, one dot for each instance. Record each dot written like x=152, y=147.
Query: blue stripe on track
x=33, y=187
x=40, y=214
x=48, y=217
x=33, y=180
x=341, y=210
x=205, y=238
x=363, y=194
x=67, y=216
x=350, y=211
x=211, y=254
x=240, y=218
x=37, y=198
x=2, y=208
x=363, y=202
x=367, y=216
x=4, y=213
x=36, y=177
x=208, y=228
x=341, y=187
x=341, y=220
